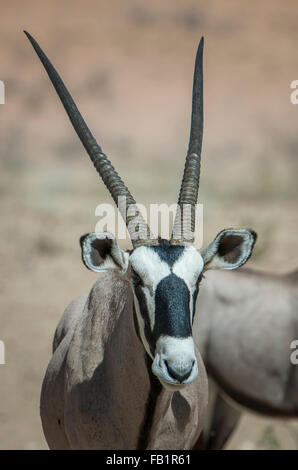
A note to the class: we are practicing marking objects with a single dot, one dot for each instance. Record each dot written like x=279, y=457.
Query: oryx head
x=165, y=275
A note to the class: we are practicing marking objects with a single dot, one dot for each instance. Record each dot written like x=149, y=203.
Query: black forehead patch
x=167, y=252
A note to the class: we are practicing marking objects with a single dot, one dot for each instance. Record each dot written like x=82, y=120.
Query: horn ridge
x=185, y=220
x=101, y=163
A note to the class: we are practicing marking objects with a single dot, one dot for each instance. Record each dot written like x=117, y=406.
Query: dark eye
x=136, y=278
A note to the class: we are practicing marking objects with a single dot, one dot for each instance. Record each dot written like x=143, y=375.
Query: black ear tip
x=82, y=238
x=254, y=234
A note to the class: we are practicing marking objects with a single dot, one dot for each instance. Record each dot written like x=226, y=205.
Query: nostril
x=179, y=375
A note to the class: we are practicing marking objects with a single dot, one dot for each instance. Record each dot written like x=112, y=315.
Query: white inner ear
x=214, y=260
x=116, y=259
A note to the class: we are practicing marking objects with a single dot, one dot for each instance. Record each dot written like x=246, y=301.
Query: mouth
x=175, y=363
x=161, y=371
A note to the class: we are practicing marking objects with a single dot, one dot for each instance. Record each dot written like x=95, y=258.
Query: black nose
x=179, y=375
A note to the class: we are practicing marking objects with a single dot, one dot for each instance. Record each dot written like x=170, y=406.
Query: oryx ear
x=230, y=249
x=100, y=252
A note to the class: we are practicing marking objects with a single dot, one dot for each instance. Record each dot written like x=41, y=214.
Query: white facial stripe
x=149, y=266
x=189, y=266
x=151, y=269
x=141, y=325
x=150, y=305
x=191, y=308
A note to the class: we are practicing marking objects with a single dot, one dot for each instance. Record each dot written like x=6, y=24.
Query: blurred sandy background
x=129, y=66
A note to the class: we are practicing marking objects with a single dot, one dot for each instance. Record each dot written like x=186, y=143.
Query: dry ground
x=129, y=66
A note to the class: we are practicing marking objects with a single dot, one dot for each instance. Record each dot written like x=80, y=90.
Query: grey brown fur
x=97, y=385
x=247, y=321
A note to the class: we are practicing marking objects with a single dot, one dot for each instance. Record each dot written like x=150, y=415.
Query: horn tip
x=31, y=39
x=201, y=44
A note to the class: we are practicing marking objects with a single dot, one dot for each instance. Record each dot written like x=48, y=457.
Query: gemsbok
x=125, y=372
x=246, y=330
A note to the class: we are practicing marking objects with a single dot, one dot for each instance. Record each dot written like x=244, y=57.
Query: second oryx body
x=245, y=326
x=125, y=371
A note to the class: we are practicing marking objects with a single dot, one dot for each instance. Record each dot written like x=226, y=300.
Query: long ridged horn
x=184, y=224
x=103, y=166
